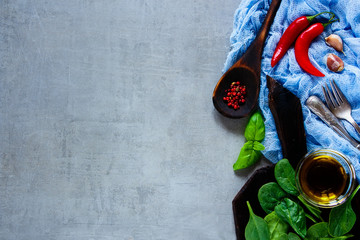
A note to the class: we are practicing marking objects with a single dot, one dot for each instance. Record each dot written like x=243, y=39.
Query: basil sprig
x=250, y=153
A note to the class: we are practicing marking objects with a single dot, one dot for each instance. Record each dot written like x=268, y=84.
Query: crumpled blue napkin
x=247, y=22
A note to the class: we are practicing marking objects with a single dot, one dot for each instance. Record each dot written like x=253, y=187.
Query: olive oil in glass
x=325, y=178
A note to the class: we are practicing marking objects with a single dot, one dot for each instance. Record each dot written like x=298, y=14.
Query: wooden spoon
x=247, y=71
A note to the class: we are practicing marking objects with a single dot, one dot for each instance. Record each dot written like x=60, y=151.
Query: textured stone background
x=106, y=121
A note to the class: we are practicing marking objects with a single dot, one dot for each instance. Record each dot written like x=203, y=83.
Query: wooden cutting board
x=287, y=113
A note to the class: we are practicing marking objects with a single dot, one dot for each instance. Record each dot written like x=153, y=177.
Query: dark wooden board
x=249, y=193
x=286, y=109
x=287, y=112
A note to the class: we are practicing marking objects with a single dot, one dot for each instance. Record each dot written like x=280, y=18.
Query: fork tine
x=330, y=105
x=331, y=96
x=338, y=91
x=335, y=93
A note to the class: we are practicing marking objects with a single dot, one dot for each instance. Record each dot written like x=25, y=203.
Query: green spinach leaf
x=270, y=195
x=282, y=236
x=247, y=157
x=256, y=228
x=337, y=238
x=310, y=217
x=285, y=176
x=276, y=226
x=317, y=231
x=292, y=213
x=314, y=210
x=342, y=218
x=293, y=236
x=255, y=129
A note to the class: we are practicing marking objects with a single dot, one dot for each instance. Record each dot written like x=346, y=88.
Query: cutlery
x=338, y=104
x=320, y=109
x=247, y=71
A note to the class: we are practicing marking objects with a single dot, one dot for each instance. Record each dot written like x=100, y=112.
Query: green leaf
x=317, y=231
x=247, y=157
x=255, y=129
x=293, y=236
x=276, y=226
x=337, y=238
x=254, y=134
x=342, y=218
x=282, y=236
x=257, y=227
x=314, y=210
x=310, y=217
x=258, y=146
x=270, y=195
x=292, y=213
x=285, y=176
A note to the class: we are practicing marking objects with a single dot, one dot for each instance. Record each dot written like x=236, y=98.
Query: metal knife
x=319, y=108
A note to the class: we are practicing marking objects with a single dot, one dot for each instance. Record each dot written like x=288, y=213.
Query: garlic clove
x=334, y=63
x=335, y=41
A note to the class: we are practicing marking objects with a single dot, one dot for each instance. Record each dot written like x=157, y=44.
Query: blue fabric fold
x=247, y=22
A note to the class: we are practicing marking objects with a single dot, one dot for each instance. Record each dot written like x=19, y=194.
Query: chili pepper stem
x=330, y=22
x=311, y=18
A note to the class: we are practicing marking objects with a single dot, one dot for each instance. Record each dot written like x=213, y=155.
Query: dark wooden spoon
x=247, y=71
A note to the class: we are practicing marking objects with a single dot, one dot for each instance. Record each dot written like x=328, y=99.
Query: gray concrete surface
x=106, y=121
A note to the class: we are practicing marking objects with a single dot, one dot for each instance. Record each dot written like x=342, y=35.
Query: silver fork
x=338, y=104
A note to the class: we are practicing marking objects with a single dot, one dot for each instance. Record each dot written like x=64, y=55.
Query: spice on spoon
x=235, y=95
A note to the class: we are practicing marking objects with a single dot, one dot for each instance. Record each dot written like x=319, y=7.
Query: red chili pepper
x=302, y=45
x=290, y=34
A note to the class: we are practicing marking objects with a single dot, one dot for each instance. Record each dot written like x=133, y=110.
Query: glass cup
x=325, y=178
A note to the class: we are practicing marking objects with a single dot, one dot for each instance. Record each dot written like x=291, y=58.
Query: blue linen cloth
x=247, y=22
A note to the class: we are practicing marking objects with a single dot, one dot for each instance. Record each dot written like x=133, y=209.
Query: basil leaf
x=270, y=195
x=342, y=218
x=317, y=231
x=293, y=236
x=255, y=129
x=247, y=157
x=276, y=226
x=254, y=134
x=258, y=146
x=285, y=176
x=257, y=227
x=292, y=213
